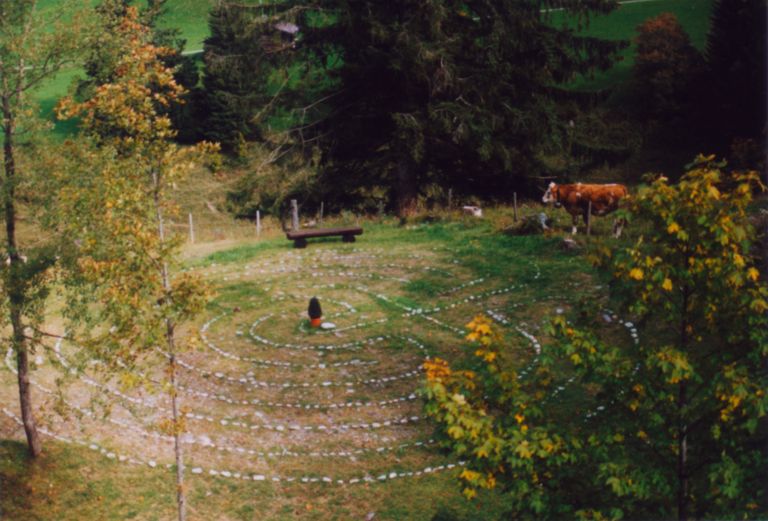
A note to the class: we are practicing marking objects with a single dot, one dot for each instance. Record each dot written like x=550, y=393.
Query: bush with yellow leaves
x=601, y=426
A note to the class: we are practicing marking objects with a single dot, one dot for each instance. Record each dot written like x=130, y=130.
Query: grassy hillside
x=191, y=18
x=622, y=23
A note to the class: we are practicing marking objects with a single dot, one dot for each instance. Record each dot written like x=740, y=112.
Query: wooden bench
x=299, y=237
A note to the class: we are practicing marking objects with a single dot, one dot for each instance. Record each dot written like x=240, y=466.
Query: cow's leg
x=574, y=220
x=618, y=226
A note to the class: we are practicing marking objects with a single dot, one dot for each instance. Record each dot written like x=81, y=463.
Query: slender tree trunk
x=181, y=498
x=25, y=398
x=682, y=455
x=682, y=425
x=14, y=284
x=407, y=189
x=764, y=420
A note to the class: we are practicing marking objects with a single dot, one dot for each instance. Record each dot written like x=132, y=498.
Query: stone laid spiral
x=265, y=392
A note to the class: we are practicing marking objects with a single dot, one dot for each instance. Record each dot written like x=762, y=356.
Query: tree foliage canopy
x=400, y=96
x=451, y=92
x=246, y=60
x=736, y=60
x=670, y=423
x=117, y=213
x=666, y=66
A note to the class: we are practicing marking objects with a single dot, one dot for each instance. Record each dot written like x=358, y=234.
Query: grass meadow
x=282, y=426
x=398, y=285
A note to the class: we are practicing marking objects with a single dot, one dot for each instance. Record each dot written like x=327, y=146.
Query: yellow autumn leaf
x=753, y=274
x=469, y=475
x=667, y=285
x=673, y=228
x=636, y=273
x=523, y=450
x=483, y=329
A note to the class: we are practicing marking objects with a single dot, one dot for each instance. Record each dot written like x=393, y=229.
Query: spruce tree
x=243, y=59
x=446, y=91
x=736, y=61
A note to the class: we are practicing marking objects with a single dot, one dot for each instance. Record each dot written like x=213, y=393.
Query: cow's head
x=550, y=196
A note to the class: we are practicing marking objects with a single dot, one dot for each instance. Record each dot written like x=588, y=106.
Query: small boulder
x=569, y=244
x=475, y=211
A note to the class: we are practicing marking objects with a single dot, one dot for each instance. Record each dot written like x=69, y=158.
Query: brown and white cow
x=576, y=198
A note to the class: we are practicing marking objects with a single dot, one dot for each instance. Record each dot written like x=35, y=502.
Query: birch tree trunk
x=16, y=295
x=181, y=499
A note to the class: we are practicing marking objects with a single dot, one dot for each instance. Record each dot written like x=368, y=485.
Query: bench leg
x=300, y=243
x=347, y=238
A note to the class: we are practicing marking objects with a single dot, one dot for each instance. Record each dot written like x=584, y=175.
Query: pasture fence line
x=197, y=228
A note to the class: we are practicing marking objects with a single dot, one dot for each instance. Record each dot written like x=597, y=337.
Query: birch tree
x=125, y=253
x=35, y=45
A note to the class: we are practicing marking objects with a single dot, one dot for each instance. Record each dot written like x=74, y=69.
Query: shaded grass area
x=74, y=483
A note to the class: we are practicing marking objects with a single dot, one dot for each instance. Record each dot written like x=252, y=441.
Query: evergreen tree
x=456, y=92
x=243, y=59
x=736, y=60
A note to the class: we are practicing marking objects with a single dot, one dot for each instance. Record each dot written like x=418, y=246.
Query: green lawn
x=191, y=17
x=421, y=266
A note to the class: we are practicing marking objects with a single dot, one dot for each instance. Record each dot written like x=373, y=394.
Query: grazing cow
x=576, y=198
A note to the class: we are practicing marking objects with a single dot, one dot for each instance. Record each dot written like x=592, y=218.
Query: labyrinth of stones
x=267, y=398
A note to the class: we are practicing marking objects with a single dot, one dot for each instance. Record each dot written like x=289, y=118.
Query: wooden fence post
x=191, y=229
x=450, y=198
x=294, y=215
x=589, y=218
x=320, y=220
x=514, y=205
x=258, y=223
